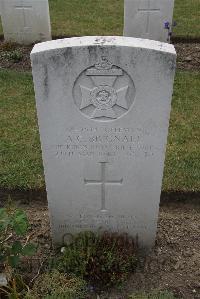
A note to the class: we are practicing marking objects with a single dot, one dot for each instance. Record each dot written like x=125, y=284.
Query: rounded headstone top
x=103, y=41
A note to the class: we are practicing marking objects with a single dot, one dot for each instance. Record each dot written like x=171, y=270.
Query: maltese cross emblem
x=104, y=98
x=104, y=91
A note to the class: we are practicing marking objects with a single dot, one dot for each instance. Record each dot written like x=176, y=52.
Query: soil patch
x=188, y=56
x=16, y=57
x=173, y=264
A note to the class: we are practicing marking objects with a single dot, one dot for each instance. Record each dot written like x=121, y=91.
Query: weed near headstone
x=102, y=259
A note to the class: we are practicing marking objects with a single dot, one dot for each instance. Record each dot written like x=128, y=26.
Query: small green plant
x=102, y=259
x=13, y=225
x=154, y=295
x=58, y=285
x=14, y=55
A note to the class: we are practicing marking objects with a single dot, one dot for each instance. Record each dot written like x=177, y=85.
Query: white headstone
x=25, y=21
x=103, y=107
x=146, y=18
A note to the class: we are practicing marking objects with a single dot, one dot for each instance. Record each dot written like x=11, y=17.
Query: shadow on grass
x=27, y=196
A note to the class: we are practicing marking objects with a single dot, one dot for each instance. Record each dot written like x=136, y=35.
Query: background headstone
x=25, y=21
x=146, y=18
x=103, y=107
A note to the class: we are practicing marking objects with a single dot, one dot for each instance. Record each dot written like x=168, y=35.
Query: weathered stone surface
x=103, y=107
x=146, y=18
x=25, y=21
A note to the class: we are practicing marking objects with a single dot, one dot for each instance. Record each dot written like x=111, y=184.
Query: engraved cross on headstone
x=24, y=8
x=148, y=10
x=103, y=182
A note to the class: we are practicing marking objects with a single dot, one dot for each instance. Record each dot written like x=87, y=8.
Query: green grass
x=86, y=17
x=183, y=149
x=187, y=16
x=20, y=155
x=105, y=17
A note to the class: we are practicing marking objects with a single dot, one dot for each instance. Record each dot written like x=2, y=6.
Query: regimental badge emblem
x=104, y=91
